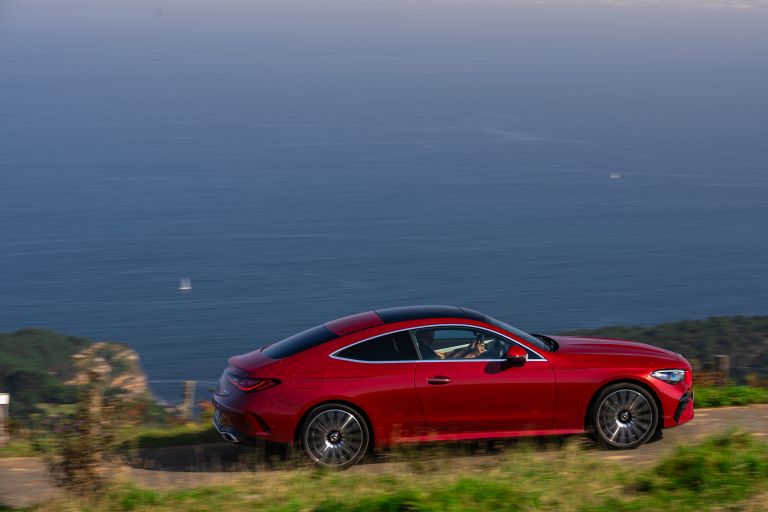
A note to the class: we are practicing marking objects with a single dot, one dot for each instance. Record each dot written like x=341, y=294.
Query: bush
x=729, y=395
x=715, y=463
x=80, y=443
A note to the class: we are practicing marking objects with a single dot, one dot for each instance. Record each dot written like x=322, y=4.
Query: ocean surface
x=555, y=167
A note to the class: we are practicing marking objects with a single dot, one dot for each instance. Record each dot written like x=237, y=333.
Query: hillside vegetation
x=39, y=367
x=744, y=338
x=34, y=366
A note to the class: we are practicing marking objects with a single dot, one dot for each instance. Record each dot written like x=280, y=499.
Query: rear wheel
x=624, y=416
x=335, y=436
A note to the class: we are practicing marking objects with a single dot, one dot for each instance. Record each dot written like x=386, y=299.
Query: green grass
x=19, y=449
x=729, y=395
x=727, y=471
x=181, y=435
x=134, y=437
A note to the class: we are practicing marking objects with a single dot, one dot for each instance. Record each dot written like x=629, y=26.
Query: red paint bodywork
x=484, y=399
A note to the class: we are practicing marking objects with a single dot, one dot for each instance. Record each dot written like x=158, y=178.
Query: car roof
x=391, y=315
x=360, y=321
x=347, y=325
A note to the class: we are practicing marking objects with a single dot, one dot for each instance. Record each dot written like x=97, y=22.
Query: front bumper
x=684, y=409
x=678, y=408
x=676, y=402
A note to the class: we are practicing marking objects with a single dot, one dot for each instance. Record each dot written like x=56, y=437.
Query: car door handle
x=438, y=380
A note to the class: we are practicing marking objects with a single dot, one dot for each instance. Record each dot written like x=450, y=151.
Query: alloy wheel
x=624, y=418
x=335, y=438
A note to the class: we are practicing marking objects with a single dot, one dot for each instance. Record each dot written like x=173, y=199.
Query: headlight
x=669, y=376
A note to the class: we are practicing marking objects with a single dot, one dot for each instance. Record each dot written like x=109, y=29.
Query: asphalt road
x=23, y=481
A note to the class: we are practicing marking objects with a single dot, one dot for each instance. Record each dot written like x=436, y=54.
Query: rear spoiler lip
x=232, y=367
x=250, y=362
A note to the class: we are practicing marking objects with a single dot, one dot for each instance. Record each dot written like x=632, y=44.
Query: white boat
x=614, y=175
x=185, y=284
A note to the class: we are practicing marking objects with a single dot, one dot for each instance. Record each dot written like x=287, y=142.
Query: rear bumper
x=265, y=415
x=237, y=427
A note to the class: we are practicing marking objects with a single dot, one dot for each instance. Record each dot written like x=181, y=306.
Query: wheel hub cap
x=334, y=437
x=625, y=416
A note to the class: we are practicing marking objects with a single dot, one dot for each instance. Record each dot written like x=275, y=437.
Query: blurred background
x=559, y=165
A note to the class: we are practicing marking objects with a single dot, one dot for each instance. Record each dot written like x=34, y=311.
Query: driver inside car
x=425, y=339
x=474, y=350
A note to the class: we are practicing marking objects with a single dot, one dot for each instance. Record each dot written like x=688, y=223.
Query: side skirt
x=490, y=434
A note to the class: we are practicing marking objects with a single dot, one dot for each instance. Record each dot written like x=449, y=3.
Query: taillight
x=249, y=384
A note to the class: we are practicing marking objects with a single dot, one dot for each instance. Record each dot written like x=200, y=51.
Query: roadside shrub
x=80, y=443
x=723, y=468
x=729, y=395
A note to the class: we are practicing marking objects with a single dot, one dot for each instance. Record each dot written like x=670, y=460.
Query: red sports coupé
x=440, y=373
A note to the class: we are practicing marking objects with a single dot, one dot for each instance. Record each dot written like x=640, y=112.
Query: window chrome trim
x=418, y=352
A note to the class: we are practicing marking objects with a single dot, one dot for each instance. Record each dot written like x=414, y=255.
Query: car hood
x=571, y=345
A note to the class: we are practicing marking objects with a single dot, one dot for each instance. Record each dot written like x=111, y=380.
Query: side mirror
x=516, y=355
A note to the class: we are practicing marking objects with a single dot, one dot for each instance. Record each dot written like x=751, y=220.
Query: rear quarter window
x=389, y=347
x=299, y=342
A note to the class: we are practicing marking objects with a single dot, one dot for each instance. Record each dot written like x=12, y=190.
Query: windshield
x=530, y=338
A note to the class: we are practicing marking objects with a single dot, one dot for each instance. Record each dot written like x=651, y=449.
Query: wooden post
x=5, y=398
x=188, y=399
x=723, y=368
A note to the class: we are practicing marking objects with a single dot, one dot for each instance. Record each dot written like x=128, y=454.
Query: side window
x=460, y=343
x=390, y=347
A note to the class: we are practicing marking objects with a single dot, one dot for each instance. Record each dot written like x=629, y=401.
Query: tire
x=624, y=416
x=335, y=436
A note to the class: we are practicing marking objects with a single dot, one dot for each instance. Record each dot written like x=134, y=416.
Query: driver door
x=464, y=384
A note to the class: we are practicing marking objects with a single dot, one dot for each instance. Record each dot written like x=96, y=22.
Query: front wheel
x=335, y=436
x=625, y=416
